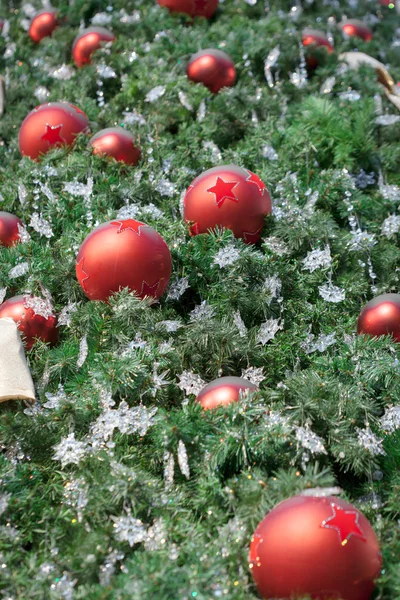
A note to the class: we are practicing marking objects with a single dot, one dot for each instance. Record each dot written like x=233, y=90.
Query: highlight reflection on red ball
x=117, y=143
x=381, y=316
x=223, y=391
x=43, y=25
x=193, y=8
x=213, y=68
x=87, y=41
x=356, y=28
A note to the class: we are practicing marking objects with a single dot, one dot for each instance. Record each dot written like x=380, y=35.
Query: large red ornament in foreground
x=33, y=318
x=381, y=316
x=223, y=391
x=9, y=229
x=229, y=197
x=193, y=8
x=213, y=68
x=49, y=125
x=356, y=28
x=43, y=24
x=117, y=143
x=123, y=254
x=321, y=547
x=87, y=41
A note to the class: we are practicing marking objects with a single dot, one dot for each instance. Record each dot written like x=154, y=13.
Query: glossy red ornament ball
x=381, y=316
x=223, y=391
x=356, y=28
x=117, y=143
x=87, y=41
x=213, y=68
x=193, y=8
x=312, y=38
x=49, y=125
x=43, y=24
x=320, y=547
x=120, y=254
x=229, y=197
x=9, y=229
x=32, y=322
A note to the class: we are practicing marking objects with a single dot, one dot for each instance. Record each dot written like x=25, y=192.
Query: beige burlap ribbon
x=15, y=377
x=355, y=59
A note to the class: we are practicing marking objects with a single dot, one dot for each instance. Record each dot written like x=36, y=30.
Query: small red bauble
x=33, y=318
x=228, y=197
x=381, y=316
x=117, y=143
x=87, y=42
x=43, y=24
x=356, y=28
x=223, y=391
x=9, y=229
x=49, y=125
x=312, y=38
x=213, y=68
x=318, y=547
x=193, y=8
x=123, y=254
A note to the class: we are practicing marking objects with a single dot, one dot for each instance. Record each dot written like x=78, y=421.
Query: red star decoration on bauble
x=345, y=523
x=53, y=134
x=81, y=273
x=251, y=237
x=129, y=225
x=253, y=178
x=149, y=290
x=223, y=190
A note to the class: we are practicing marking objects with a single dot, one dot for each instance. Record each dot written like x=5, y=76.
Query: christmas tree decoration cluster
x=199, y=300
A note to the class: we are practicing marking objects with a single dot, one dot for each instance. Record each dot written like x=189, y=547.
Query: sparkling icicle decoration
x=328, y=85
x=169, y=468
x=201, y=112
x=321, y=343
x=156, y=536
x=310, y=440
x=317, y=259
x=100, y=93
x=183, y=460
x=320, y=492
x=41, y=225
x=273, y=285
x=299, y=78
x=107, y=569
x=270, y=62
x=155, y=93
x=3, y=292
x=75, y=495
x=70, y=450
x=216, y=155
x=368, y=440
x=237, y=319
x=55, y=400
x=19, y=270
x=23, y=234
x=4, y=500
x=268, y=331
x=202, y=312
x=184, y=100
x=83, y=352
x=391, y=419
x=253, y=374
x=268, y=152
x=65, y=316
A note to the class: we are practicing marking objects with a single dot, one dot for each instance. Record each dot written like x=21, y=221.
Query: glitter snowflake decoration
x=268, y=331
x=370, y=442
x=310, y=440
x=317, y=259
x=254, y=374
x=391, y=419
x=128, y=529
x=226, y=256
x=70, y=450
x=190, y=383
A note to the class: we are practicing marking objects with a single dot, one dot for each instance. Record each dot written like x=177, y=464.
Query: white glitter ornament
x=128, y=529
x=317, y=259
x=70, y=450
x=268, y=331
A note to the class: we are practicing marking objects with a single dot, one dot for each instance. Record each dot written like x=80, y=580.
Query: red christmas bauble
x=43, y=24
x=356, y=28
x=117, y=143
x=213, y=68
x=312, y=38
x=193, y=8
x=321, y=547
x=9, y=230
x=33, y=318
x=381, y=316
x=120, y=254
x=87, y=41
x=49, y=125
x=228, y=197
x=223, y=391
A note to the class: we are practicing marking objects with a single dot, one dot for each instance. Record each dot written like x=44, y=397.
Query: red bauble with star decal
x=123, y=254
x=193, y=8
x=356, y=28
x=9, y=229
x=213, y=68
x=381, y=316
x=34, y=318
x=43, y=24
x=49, y=125
x=229, y=197
x=223, y=391
x=87, y=41
x=321, y=547
x=117, y=143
